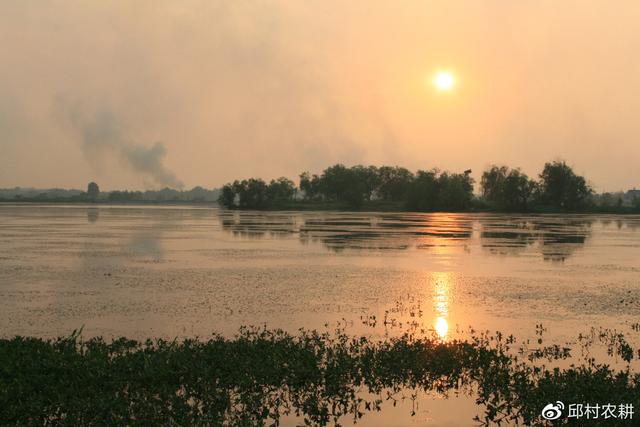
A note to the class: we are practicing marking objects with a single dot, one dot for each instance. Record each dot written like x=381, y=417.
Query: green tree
x=394, y=182
x=252, y=193
x=368, y=178
x=227, y=196
x=335, y=182
x=430, y=191
x=338, y=183
x=423, y=192
x=506, y=188
x=357, y=189
x=305, y=185
x=560, y=187
x=125, y=196
x=310, y=186
x=517, y=191
x=492, y=183
x=93, y=191
x=455, y=191
x=280, y=190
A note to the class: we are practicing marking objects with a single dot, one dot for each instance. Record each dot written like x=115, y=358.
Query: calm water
x=182, y=271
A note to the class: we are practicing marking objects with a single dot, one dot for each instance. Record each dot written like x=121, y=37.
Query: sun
x=444, y=81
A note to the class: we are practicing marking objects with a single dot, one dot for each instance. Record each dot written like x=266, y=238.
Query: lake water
x=143, y=271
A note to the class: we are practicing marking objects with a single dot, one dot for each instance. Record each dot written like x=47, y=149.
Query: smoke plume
x=104, y=135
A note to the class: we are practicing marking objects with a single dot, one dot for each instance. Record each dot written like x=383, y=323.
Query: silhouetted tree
x=506, y=188
x=423, y=192
x=256, y=194
x=305, y=185
x=350, y=185
x=335, y=182
x=227, y=196
x=93, y=191
x=252, y=193
x=281, y=190
x=431, y=191
x=455, y=191
x=492, y=183
x=368, y=177
x=561, y=187
x=518, y=189
x=501, y=186
x=357, y=190
x=394, y=182
x=311, y=186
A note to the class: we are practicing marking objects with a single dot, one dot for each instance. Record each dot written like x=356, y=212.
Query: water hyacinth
x=261, y=375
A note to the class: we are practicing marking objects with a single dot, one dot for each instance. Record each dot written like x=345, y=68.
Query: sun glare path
x=441, y=303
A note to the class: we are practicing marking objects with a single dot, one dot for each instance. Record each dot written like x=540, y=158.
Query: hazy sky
x=139, y=93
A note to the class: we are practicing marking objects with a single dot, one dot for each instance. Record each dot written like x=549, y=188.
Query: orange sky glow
x=233, y=89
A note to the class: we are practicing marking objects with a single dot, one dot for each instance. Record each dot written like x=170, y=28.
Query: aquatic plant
x=260, y=375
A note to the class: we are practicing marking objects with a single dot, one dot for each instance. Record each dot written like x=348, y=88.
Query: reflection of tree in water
x=561, y=240
x=258, y=225
x=340, y=231
x=334, y=231
x=628, y=222
x=146, y=242
x=381, y=232
x=92, y=215
x=507, y=238
x=556, y=238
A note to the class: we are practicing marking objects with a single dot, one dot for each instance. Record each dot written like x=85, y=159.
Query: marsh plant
x=261, y=375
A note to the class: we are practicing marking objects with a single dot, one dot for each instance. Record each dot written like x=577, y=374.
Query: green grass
x=259, y=375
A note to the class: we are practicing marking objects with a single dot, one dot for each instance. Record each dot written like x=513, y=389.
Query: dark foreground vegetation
x=260, y=375
x=558, y=188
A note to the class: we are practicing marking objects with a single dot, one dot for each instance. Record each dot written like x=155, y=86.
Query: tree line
x=93, y=194
x=558, y=186
x=501, y=188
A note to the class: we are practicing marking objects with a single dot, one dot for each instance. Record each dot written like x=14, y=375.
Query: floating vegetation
x=262, y=375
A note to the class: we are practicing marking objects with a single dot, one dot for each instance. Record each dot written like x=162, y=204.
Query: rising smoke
x=104, y=135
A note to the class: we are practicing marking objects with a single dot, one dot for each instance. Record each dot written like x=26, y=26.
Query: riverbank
x=106, y=202
x=392, y=206
x=306, y=205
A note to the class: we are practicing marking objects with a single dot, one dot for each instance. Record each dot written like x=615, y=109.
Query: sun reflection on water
x=441, y=292
x=442, y=327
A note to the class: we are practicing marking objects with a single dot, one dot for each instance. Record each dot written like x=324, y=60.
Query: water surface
x=143, y=271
